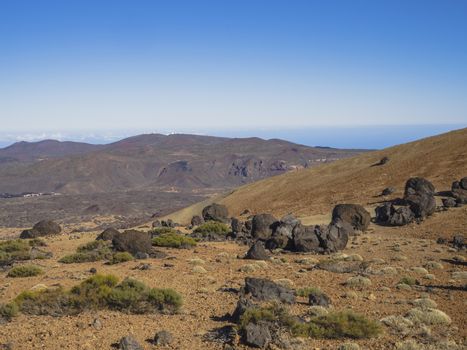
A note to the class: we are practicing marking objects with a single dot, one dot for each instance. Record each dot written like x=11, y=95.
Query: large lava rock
x=305, y=239
x=387, y=214
x=216, y=212
x=422, y=204
x=132, y=241
x=335, y=236
x=42, y=228
x=257, y=334
x=419, y=185
x=263, y=226
x=282, y=237
x=257, y=252
x=197, y=220
x=353, y=214
x=108, y=234
x=266, y=290
x=459, y=191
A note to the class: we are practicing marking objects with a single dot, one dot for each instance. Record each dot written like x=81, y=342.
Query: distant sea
x=357, y=137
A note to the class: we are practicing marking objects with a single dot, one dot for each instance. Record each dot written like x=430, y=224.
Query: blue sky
x=231, y=65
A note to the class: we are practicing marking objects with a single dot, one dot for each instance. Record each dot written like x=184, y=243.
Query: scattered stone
x=215, y=212
x=388, y=191
x=257, y=335
x=197, y=220
x=257, y=252
x=97, y=324
x=93, y=270
x=163, y=338
x=316, y=298
x=129, y=343
x=264, y=290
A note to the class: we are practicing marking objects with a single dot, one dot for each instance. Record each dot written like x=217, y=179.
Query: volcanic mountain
x=153, y=162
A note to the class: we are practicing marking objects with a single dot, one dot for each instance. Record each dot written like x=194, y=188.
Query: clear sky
x=231, y=64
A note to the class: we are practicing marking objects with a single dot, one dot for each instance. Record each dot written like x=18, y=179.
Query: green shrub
x=173, y=240
x=121, y=257
x=19, y=250
x=8, y=311
x=408, y=280
x=25, y=271
x=334, y=325
x=99, y=292
x=89, y=252
x=212, y=227
x=162, y=230
x=305, y=292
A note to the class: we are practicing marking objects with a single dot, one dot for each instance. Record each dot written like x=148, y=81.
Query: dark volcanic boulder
x=305, y=239
x=197, y=220
x=243, y=304
x=108, y=234
x=215, y=212
x=42, y=228
x=156, y=223
x=353, y=214
x=422, y=204
x=266, y=290
x=383, y=161
x=263, y=226
x=257, y=252
x=132, y=241
x=257, y=334
x=237, y=225
x=463, y=183
x=387, y=214
x=459, y=191
x=419, y=185
x=401, y=216
x=335, y=236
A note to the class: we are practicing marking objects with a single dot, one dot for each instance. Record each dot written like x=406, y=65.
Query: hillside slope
x=311, y=192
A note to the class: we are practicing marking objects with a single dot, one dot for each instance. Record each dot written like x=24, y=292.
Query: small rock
x=129, y=343
x=163, y=338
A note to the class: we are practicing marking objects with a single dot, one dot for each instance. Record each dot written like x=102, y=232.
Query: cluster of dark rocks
x=255, y=293
x=264, y=231
x=418, y=202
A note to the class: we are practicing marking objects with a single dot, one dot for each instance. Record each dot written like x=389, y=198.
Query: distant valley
x=181, y=166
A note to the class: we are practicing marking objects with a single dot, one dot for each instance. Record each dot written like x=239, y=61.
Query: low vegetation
x=410, y=281
x=162, y=230
x=20, y=250
x=89, y=252
x=99, y=292
x=212, y=227
x=120, y=257
x=334, y=325
x=173, y=240
x=25, y=271
x=8, y=311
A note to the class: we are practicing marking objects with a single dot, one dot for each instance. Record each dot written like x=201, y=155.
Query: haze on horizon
x=238, y=65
